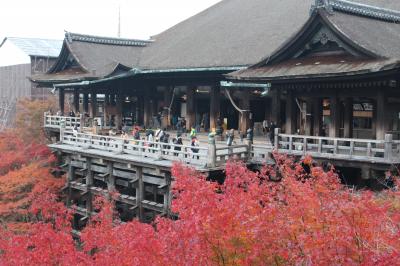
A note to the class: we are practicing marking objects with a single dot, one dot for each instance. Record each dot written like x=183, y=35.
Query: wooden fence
x=365, y=150
x=201, y=156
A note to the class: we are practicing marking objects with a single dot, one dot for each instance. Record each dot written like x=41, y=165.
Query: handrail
x=386, y=151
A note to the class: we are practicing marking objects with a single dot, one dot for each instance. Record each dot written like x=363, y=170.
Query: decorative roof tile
x=104, y=40
x=358, y=9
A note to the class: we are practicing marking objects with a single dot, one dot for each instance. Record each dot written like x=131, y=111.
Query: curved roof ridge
x=70, y=37
x=360, y=9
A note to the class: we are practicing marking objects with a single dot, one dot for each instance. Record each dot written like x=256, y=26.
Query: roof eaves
x=105, y=40
x=359, y=9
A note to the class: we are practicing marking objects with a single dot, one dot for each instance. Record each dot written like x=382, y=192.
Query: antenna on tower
x=119, y=20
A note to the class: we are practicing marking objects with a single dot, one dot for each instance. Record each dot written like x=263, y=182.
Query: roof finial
x=321, y=4
x=119, y=20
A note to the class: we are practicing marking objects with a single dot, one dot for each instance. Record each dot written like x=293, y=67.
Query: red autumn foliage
x=306, y=218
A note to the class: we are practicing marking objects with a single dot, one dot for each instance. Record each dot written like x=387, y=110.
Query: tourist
x=177, y=141
x=230, y=135
x=124, y=135
x=183, y=123
x=193, y=133
x=75, y=131
x=195, y=143
x=272, y=133
x=136, y=133
x=71, y=113
x=265, y=127
x=179, y=127
x=159, y=134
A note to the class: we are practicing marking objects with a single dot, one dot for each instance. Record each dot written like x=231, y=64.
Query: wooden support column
x=119, y=103
x=111, y=177
x=348, y=118
x=215, y=106
x=61, y=100
x=381, y=112
x=86, y=102
x=309, y=119
x=268, y=109
x=106, y=108
x=245, y=116
x=190, y=107
x=93, y=104
x=334, y=126
x=147, y=117
x=167, y=194
x=76, y=101
x=276, y=107
x=89, y=184
x=140, y=193
x=317, y=116
x=70, y=177
x=291, y=113
x=167, y=101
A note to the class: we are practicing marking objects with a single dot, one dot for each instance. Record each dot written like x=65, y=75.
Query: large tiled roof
x=235, y=33
x=369, y=28
x=37, y=47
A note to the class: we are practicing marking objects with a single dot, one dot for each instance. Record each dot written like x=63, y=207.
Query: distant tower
x=119, y=20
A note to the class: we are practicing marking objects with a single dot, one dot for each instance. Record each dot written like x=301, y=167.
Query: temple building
x=338, y=76
x=325, y=73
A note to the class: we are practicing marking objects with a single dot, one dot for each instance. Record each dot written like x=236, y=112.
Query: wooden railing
x=153, y=150
x=365, y=150
x=55, y=121
x=202, y=156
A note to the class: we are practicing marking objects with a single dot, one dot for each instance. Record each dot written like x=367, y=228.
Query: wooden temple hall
x=327, y=78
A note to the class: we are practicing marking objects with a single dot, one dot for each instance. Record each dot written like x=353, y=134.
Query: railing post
x=335, y=146
x=121, y=148
x=304, y=146
x=388, y=147
x=249, y=142
x=160, y=149
x=290, y=144
x=276, y=140
x=62, y=128
x=319, y=145
x=212, y=151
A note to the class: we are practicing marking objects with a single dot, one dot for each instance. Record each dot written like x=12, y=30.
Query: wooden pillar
x=76, y=101
x=89, y=184
x=70, y=178
x=167, y=101
x=245, y=116
x=268, y=109
x=334, y=126
x=119, y=103
x=61, y=100
x=111, y=177
x=381, y=112
x=317, y=116
x=93, y=104
x=308, y=117
x=106, y=108
x=276, y=107
x=167, y=194
x=140, y=193
x=86, y=102
x=215, y=106
x=140, y=109
x=190, y=107
x=291, y=113
x=147, y=117
x=348, y=118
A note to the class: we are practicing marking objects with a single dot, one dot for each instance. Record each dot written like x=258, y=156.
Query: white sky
x=49, y=18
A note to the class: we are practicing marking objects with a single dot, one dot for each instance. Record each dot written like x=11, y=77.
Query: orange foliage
x=308, y=218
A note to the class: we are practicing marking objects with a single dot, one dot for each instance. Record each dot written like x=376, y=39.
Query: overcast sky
x=49, y=18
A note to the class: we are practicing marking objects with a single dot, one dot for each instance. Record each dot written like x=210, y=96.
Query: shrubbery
x=306, y=218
